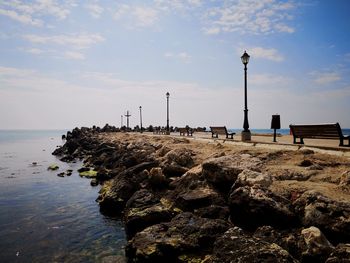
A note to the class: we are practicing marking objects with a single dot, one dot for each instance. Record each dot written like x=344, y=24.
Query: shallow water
x=46, y=218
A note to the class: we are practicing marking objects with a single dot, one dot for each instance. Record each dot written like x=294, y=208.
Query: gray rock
x=166, y=242
x=235, y=246
x=318, y=247
x=256, y=206
x=330, y=216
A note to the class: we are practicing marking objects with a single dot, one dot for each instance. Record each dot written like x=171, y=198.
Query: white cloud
x=183, y=56
x=74, y=55
x=32, y=14
x=95, y=10
x=22, y=18
x=251, y=16
x=145, y=16
x=269, y=80
x=324, y=78
x=79, y=41
x=138, y=16
x=34, y=51
x=212, y=30
x=264, y=53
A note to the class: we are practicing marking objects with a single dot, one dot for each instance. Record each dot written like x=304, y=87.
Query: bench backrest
x=219, y=130
x=331, y=130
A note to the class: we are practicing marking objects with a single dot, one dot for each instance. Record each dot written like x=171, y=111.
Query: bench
x=215, y=131
x=187, y=131
x=159, y=131
x=318, y=131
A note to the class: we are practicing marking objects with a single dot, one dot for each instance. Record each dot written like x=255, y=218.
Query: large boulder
x=341, y=254
x=236, y=246
x=330, y=216
x=255, y=206
x=185, y=234
x=114, y=194
x=318, y=247
x=250, y=178
x=224, y=170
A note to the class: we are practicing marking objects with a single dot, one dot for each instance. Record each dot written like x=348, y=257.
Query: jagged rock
x=332, y=217
x=179, y=156
x=345, y=179
x=191, y=191
x=174, y=170
x=213, y=211
x=256, y=206
x=318, y=247
x=250, y=178
x=166, y=242
x=341, y=254
x=236, y=246
x=289, y=239
x=156, y=178
x=117, y=192
x=93, y=182
x=223, y=171
x=142, y=198
x=138, y=218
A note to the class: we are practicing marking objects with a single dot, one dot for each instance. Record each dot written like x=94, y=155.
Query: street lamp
x=167, y=112
x=246, y=136
x=141, y=118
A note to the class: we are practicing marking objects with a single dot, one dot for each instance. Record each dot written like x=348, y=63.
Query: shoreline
x=182, y=199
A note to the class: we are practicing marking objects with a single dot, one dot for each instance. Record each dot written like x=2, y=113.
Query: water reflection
x=46, y=218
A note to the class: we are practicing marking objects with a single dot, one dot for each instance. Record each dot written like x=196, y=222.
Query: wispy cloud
x=79, y=41
x=251, y=16
x=266, y=80
x=324, y=78
x=74, y=55
x=263, y=53
x=183, y=56
x=32, y=14
x=22, y=18
x=140, y=16
x=95, y=10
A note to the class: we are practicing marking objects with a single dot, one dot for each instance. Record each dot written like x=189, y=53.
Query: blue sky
x=78, y=63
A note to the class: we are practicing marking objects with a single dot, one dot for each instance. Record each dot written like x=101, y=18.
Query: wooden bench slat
x=220, y=130
x=318, y=131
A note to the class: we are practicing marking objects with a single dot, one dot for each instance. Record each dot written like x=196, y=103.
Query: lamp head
x=245, y=58
x=167, y=94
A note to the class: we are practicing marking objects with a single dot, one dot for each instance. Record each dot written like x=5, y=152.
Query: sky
x=73, y=63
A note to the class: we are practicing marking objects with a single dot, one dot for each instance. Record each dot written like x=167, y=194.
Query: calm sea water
x=46, y=218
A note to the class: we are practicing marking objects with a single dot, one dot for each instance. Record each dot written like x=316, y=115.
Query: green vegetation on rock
x=53, y=167
x=88, y=174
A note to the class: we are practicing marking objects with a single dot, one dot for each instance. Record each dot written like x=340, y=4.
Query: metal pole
x=167, y=115
x=121, y=121
x=141, y=118
x=245, y=123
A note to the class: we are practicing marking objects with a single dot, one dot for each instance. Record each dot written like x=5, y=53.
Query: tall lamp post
x=121, y=121
x=141, y=118
x=246, y=135
x=167, y=112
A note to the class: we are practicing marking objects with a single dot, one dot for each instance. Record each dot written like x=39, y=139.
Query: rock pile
x=220, y=210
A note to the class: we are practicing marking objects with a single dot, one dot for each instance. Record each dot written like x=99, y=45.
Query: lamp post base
x=167, y=132
x=246, y=136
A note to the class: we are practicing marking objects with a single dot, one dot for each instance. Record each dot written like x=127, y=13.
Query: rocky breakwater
x=186, y=201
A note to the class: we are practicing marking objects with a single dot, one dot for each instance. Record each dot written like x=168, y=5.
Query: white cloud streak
x=264, y=53
x=79, y=41
x=95, y=10
x=325, y=78
x=250, y=16
x=32, y=14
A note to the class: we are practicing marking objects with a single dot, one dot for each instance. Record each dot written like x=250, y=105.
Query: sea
x=47, y=218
